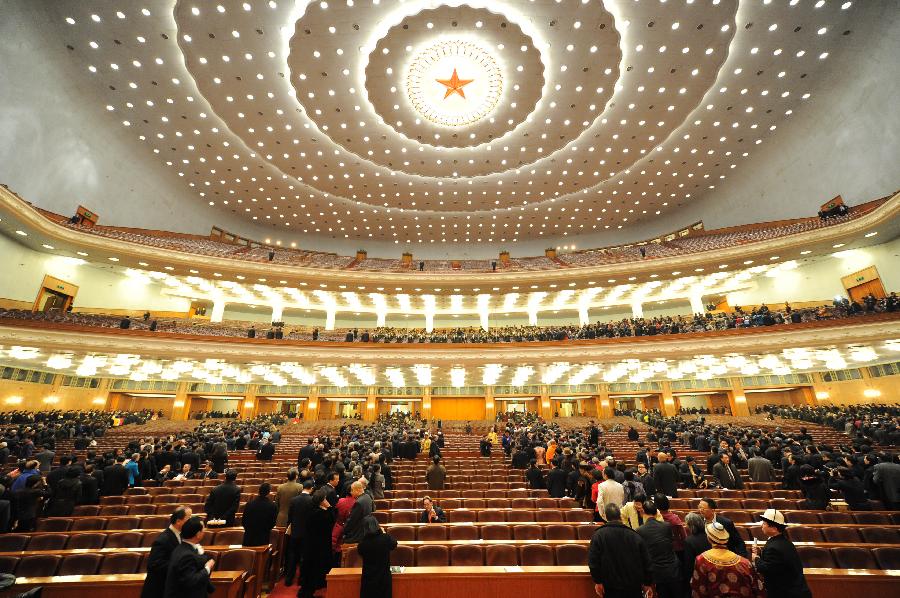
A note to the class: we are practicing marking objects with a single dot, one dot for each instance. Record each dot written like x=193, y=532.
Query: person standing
x=778, y=562
x=284, y=495
x=707, y=509
x=316, y=545
x=664, y=564
x=298, y=512
x=761, y=469
x=222, y=502
x=343, y=508
x=727, y=473
x=161, y=553
x=720, y=572
x=618, y=559
x=695, y=544
x=375, y=549
x=115, y=478
x=260, y=515
x=436, y=474
x=189, y=571
x=665, y=476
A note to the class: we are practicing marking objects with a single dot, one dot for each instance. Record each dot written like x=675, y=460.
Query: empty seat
x=112, y=510
x=80, y=564
x=382, y=517
x=801, y=517
x=432, y=555
x=815, y=556
x=738, y=516
x=53, y=524
x=559, y=532
x=467, y=555
x=536, y=555
x=402, y=503
x=497, y=503
x=571, y=555
x=888, y=557
x=8, y=564
x=475, y=503
x=404, y=516
x=460, y=516
x=879, y=535
x=403, y=556
x=154, y=522
x=430, y=533
x=403, y=533
x=86, y=510
x=500, y=555
x=579, y=515
x=229, y=537
x=240, y=559
x=142, y=510
x=527, y=516
x=495, y=532
x=38, y=565
x=854, y=557
x=836, y=518
x=120, y=563
x=48, y=542
x=528, y=532
x=755, y=504
x=13, y=542
x=88, y=524
x=491, y=515
x=521, y=503
x=549, y=515
x=585, y=532
x=844, y=535
x=86, y=541
x=463, y=532
x=870, y=518
x=123, y=523
x=124, y=540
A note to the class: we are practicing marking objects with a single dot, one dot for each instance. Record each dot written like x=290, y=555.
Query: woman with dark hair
x=66, y=495
x=375, y=549
x=813, y=489
x=852, y=488
x=317, y=555
x=259, y=518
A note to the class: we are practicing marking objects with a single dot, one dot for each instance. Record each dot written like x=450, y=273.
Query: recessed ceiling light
x=806, y=252
x=873, y=233
x=145, y=264
x=45, y=246
x=81, y=253
x=113, y=259
x=21, y=233
x=838, y=245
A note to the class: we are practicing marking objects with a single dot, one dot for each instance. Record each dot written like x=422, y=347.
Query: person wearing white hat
x=778, y=562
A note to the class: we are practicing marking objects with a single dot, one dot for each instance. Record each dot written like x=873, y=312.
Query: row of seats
x=480, y=503
x=113, y=563
x=817, y=517
x=491, y=515
x=450, y=493
x=94, y=540
x=844, y=535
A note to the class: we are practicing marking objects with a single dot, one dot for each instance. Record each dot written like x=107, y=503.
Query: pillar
x=697, y=306
x=490, y=407
x=426, y=402
x=637, y=310
x=429, y=321
x=249, y=406
x=736, y=399
x=181, y=404
x=532, y=316
x=604, y=405
x=807, y=396
x=819, y=389
x=583, y=318
x=484, y=301
x=277, y=311
x=103, y=399
x=371, y=413
x=330, y=315
x=312, y=405
x=544, y=408
x=218, y=310
x=667, y=403
x=380, y=319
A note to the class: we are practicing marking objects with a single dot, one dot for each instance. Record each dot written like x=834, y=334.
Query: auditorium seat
x=574, y=555
x=13, y=542
x=48, y=542
x=403, y=533
x=491, y=516
x=432, y=555
x=520, y=516
x=841, y=535
x=123, y=523
x=579, y=515
x=501, y=555
x=545, y=516
x=528, y=532
x=854, y=557
x=123, y=540
x=86, y=541
x=521, y=503
x=240, y=559
x=755, y=504
x=738, y=516
x=155, y=522
x=38, y=565
x=879, y=535
x=801, y=517
x=463, y=532
x=80, y=564
x=382, y=517
x=585, y=532
x=403, y=556
x=431, y=532
x=110, y=510
x=835, y=518
x=53, y=524
x=405, y=516
x=88, y=524
x=815, y=556
x=536, y=555
x=8, y=564
x=467, y=555
x=888, y=557
x=142, y=510
x=402, y=503
x=458, y=517
x=228, y=537
x=870, y=518
x=559, y=532
x=86, y=510
x=495, y=532
x=119, y=563
x=803, y=534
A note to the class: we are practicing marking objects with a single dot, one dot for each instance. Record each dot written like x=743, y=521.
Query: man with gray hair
x=618, y=558
x=695, y=544
x=364, y=505
x=283, y=496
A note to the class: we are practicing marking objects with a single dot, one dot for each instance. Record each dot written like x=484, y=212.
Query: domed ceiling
x=427, y=122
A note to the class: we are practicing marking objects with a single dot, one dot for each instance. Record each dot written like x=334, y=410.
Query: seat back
x=467, y=555
x=229, y=537
x=801, y=517
x=123, y=523
x=571, y=555
x=887, y=557
x=404, y=516
x=428, y=533
x=846, y=535
x=500, y=555
x=432, y=555
x=854, y=557
x=548, y=515
x=491, y=515
x=403, y=556
x=495, y=532
x=403, y=533
x=38, y=565
x=80, y=564
x=48, y=542
x=869, y=518
x=88, y=523
x=815, y=556
x=53, y=524
x=879, y=535
x=559, y=532
x=803, y=534
x=528, y=532
x=13, y=542
x=579, y=515
x=124, y=540
x=86, y=541
x=836, y=518
x=462, y=532
x=536, y=555
x=240, y=559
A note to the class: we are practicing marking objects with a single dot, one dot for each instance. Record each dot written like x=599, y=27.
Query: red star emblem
x=454, y=85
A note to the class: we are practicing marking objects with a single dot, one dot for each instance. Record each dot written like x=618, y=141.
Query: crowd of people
x=875, y=421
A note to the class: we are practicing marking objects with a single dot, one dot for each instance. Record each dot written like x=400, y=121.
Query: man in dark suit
x=778, y=563
x=188, y=572
x=115, y=478
x=556, y=481
x=90, y=487
x=665, y=476
x=223, y=500
x=727, y=473
x=707, y=510
x=431, y=513
x=208, y=472
x=161, y=553
x=664, y=564
x=259, y=518
x=761, y=469
x=266, y=451
x=298, y=512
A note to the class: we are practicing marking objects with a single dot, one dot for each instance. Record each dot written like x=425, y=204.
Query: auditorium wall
x=33, y=395
x=852, y=392
x=457, y=408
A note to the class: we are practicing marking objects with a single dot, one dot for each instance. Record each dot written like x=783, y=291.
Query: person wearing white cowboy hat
x=778, y=562
x=721, y=572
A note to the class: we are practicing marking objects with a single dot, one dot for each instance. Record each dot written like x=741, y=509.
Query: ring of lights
x=467, y=106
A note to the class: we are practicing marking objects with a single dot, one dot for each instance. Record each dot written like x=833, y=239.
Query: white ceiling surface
x=618, y=137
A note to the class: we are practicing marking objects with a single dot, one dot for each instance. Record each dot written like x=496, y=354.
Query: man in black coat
x=778, y=563
x=666, y=569
x=665, y=476
x=161, y=554
x=556, y=481
x=727, y=473
x=618, y=558
x=707, y=510
x=90, y=487
x=298, y=512
x=259, y=518
x=223, y=500
x=189, y=571
x=115, y=478
x=266, y=451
